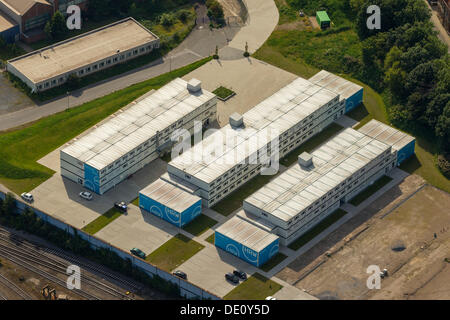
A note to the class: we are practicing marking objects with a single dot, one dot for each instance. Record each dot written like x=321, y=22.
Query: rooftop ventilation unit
x=305, y=160
x=236, y=120
x=194, y=85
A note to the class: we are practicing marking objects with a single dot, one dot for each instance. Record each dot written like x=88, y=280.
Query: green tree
x=56, y=27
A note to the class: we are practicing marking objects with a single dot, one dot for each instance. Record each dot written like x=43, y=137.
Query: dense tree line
x=100, y=9
x=28, y=221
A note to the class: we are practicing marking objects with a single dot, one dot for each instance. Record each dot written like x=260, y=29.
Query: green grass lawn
x=234, y=201
x=210, y=239
x=136, y=202
x=223, y=93
x=174, y=252
x=102, y=221
x=256, y=287
x=311, y=144
x=312, y=233
x=363, y=195
x=20, y=148
x=274, y=261
x=199, y=225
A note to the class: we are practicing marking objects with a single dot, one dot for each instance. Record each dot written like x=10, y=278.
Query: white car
x=27, y=197
x=271, y=298
x=86, y=195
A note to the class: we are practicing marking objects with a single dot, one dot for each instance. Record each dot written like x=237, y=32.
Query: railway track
x=12, y=286
x=31, y=257
x=63, y=256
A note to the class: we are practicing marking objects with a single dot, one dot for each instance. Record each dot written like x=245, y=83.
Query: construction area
x=405, y=231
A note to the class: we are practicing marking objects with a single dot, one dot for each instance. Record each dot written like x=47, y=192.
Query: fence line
x=187, y=289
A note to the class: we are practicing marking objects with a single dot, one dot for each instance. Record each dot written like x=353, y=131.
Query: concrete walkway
x=263, y=18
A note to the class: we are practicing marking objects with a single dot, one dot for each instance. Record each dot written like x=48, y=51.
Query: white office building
x=136, y=135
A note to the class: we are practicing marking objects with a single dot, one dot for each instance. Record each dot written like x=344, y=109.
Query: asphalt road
x=200, y=43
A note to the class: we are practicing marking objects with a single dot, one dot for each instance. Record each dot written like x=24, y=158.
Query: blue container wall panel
x=91, y=179
x=235, y=248
x=405, y=152
x=10, y=35
x=354, y=101
x=160, y=210
x=268, y=252
x=191, y=213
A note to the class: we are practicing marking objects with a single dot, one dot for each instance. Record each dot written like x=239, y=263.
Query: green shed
x=322, y=19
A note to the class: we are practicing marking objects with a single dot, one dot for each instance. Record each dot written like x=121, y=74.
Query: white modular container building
x=402, y=144
x=246, y=241
x=170, y=203
x=320, y=183
x=292, y=115
x=136, y=135
x=349, y=92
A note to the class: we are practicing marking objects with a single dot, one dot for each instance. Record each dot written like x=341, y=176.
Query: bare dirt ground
x=405, y=218
x=29, y=282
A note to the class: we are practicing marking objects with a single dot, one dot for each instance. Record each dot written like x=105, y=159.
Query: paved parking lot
x=247, y=77
x=59, y=196
x=11, y=99
x=208, y=267
x=137, y=229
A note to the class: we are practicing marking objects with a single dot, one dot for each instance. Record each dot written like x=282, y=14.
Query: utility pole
x=68, y=100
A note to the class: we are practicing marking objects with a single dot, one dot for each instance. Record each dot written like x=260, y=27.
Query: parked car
x=86, y=195
x=271, y=298
x=138, y=252
x=122, y=206
x=27, y=197
x=180, y=274
x=232, y=278
x=240, y=274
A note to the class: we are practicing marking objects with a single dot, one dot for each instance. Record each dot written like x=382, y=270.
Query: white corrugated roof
x=278, y=113
x=333, y=162
x=335, y=83
x=247, y=234
x=129, y=128
x=170, y=196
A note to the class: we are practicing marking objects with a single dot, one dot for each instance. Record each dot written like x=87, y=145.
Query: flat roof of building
x=247, y=234
x=382, y=132
x=277, y=114
x=170, y=196
x=333, y=162
x=332, y=82
x=5, y=22
x=82, y=50
x=130, y=127
x=323, y=16
x=21, y=7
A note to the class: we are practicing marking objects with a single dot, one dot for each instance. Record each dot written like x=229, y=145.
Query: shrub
x=73, y=81
x=183, y=15
x=167, y=20
x=444, y=165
